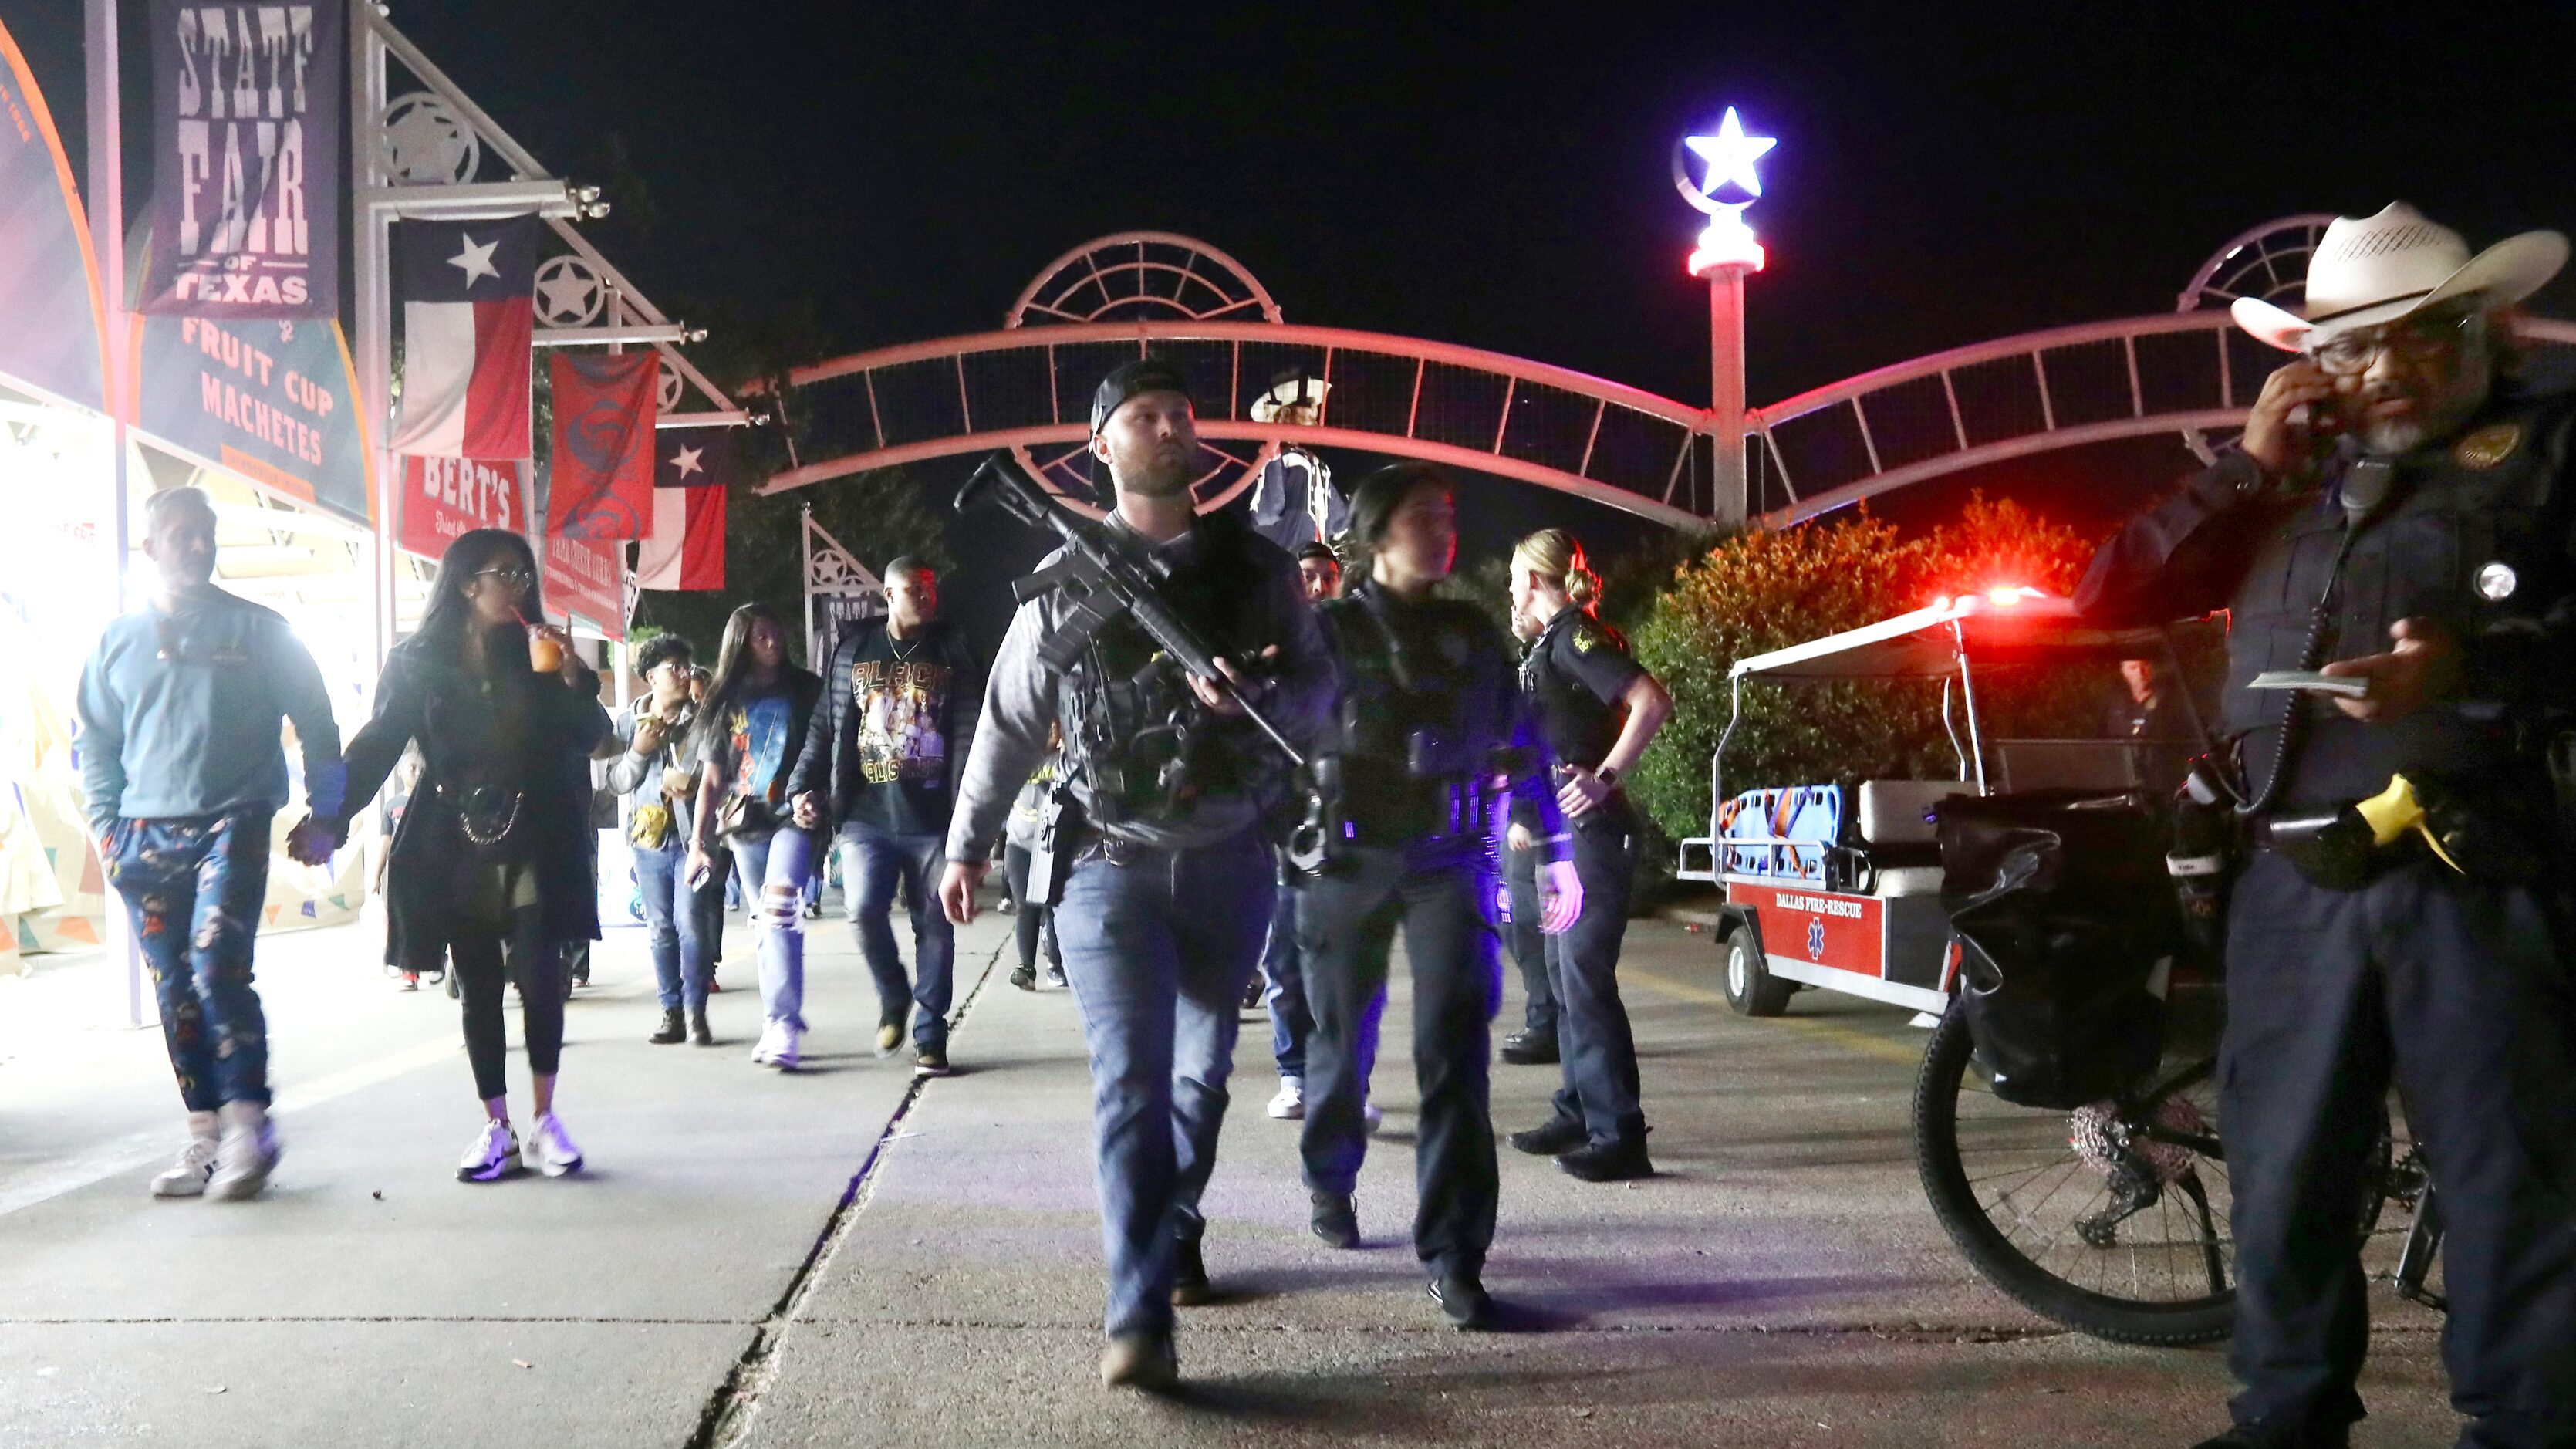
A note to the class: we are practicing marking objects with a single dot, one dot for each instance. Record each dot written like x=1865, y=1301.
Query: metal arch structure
x=1027, y=387
x=2019, y=396
x=1145, y=277
x=1099, y=281
x=2268, y=262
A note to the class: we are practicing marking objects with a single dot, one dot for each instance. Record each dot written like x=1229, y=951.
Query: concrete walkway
x=838, y=1257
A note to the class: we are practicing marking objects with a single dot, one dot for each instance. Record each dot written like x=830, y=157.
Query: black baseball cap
x=1319, y=550
x=1146, y=374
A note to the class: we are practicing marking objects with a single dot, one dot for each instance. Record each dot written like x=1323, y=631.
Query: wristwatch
x=1606, y=775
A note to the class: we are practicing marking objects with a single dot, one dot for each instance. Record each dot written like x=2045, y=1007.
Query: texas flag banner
x=601, y=479
x=686, y=548
x=468, y=292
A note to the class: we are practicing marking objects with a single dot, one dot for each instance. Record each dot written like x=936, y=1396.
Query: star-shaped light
x=1730, y=155
x=476, y=261
x=567, y=292
x=685, y=461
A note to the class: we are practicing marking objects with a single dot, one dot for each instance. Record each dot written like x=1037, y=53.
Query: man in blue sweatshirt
x=181, y=757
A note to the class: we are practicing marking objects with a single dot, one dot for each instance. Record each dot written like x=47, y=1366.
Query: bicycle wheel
x=2112, y=1222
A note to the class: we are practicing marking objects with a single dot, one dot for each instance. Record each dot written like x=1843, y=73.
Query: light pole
x=1725, y=253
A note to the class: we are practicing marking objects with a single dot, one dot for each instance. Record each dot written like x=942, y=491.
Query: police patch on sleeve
x=1586, y=638
x=2487, y=446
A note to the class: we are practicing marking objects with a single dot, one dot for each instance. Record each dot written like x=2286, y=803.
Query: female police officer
x=1427, y=710
x=1599, y=711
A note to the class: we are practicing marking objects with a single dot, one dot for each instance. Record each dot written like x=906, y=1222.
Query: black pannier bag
x=2066, y=921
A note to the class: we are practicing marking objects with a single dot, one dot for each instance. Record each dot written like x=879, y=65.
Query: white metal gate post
x=1731, y=503
x=374, y=299
x=107, y=238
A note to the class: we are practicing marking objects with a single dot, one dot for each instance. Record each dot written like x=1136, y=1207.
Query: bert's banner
x=246, y=132
x=445, y=497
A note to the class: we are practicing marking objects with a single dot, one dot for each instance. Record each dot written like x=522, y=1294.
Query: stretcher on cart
x=1838, y=885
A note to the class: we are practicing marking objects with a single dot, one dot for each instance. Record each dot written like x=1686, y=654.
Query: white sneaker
x=1290, y=1104
x=493, y=1156
x=187, y=1176
x=1371, y=1118
x=788, y=1054
x=772, y=1036
x=554, y=1149
x=246, y=1155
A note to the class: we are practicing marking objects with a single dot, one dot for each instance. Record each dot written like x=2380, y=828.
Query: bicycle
x=2119, y=1230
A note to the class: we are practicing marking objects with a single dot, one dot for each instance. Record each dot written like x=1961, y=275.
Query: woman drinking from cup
x=490, y=864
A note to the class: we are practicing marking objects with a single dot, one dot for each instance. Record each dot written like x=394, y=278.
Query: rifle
x=1101, y=581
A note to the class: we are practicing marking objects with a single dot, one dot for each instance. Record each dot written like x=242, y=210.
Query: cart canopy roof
x=1999, y=628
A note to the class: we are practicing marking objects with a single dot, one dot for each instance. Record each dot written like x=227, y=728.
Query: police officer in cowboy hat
x=2401, y=514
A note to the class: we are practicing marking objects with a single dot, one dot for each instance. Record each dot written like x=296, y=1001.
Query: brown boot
x=1140, y=1361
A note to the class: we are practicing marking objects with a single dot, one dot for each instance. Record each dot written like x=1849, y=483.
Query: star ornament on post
x=1729, y=156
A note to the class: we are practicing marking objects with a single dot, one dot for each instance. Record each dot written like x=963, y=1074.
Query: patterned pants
x=195, y=888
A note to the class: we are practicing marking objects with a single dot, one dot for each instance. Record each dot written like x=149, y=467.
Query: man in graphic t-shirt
x=898, y=713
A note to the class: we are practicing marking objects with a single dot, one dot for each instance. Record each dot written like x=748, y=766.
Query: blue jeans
x=674, y=922
x=772, y=872
x=1292, y=1016
x=876, y=860
x=1158, y=950
x=1291, y=1022
x=195, y=888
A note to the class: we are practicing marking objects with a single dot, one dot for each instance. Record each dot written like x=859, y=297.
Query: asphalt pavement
x=841, y=1256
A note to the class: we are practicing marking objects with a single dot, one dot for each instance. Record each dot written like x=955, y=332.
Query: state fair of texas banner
x=246, y=127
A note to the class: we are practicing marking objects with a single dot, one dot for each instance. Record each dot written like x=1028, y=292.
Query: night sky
x=1496, y=175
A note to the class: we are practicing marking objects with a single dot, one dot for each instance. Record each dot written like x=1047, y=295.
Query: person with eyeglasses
x=184, y=770
x=493, y=863
x=2394, y=538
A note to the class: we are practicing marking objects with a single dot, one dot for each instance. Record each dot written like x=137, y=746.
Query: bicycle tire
x=1940, y=1161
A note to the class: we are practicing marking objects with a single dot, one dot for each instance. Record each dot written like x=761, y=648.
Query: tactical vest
x=1425, y=703
x=1145, y=749
x=2474, y=535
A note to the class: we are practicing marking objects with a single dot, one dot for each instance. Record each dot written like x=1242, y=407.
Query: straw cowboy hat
x=2370, y=270
x=1294, y=389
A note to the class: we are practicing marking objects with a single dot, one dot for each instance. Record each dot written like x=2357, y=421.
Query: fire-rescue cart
x=1837, y=885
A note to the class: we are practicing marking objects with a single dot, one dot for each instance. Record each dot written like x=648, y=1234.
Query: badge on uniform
x=2487, y=446
x=1584, y=638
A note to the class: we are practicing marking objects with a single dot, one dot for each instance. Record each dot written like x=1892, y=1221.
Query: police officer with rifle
x=1430, y=729
x=1188, y=675
x=2395, y=539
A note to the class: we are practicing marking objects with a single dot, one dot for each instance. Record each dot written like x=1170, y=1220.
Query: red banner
x=600, y=475
x=585, y=580
x=443, y=497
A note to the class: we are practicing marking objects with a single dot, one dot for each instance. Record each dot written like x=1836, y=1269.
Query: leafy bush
x=1763, y=590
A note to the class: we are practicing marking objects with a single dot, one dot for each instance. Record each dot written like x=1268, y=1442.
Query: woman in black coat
x=492, y=864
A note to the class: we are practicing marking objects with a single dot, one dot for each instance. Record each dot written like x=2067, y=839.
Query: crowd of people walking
x=1370, y=755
